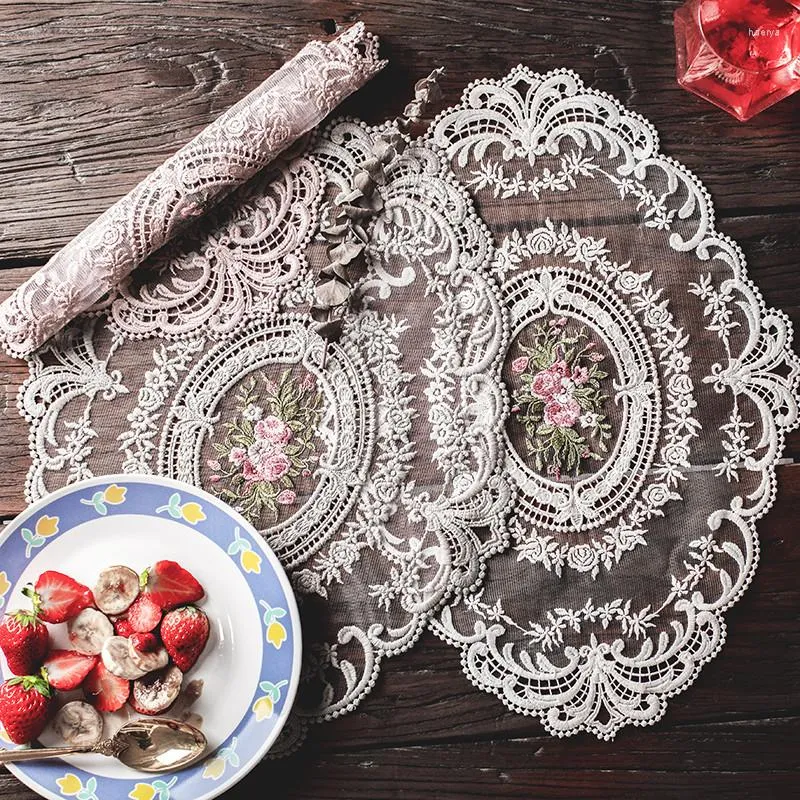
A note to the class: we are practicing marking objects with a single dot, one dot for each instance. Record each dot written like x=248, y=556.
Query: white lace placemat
x=548, y=432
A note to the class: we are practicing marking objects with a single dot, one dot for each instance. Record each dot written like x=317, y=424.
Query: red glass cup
x=741, y=55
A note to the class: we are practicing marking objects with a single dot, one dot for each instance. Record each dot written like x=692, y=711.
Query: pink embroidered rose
x=273, y=429
x=548, y=382
x=580, y=375
x=562, y=414
x=286, y=497
x=237, y=455
x=519, y=364
x=249, y=471
x=274, y=466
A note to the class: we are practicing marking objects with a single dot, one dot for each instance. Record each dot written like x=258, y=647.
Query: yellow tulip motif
x=5, y=585
x=44, y=528
x=264, y=707
x=214, y=769
x=112, y=495
x=190, y=512
x=248, y=558
x=250, y=561
x=4, y=736
x=157, y=790
x=276, y=633
x=47, y=526
x=72, y=786
x=142, y=791
x=216, y=766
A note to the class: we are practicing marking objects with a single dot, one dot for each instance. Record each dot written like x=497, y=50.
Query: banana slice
x=89, y=631
x=147, y=662
x=117, y=658
x=116, y=589
x=78, y=724
x=155, y=693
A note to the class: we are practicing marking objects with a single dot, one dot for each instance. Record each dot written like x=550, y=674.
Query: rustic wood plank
x=94, y=95
x=98, y=94
x=726, y=760
x=687, y=762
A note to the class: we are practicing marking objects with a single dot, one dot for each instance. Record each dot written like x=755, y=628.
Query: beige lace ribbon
x=227, y=153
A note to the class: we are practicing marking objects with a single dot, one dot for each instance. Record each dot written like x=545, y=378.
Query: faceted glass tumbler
x=741, y=55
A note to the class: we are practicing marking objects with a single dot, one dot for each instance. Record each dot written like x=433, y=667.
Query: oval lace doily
x=548, y=435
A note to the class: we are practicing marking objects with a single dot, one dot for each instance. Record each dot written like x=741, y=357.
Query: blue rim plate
x=250, y=667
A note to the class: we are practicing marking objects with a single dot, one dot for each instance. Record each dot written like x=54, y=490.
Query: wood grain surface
x=94, y=95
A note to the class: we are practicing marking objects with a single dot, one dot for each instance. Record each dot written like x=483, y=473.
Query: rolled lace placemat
x=224, y=155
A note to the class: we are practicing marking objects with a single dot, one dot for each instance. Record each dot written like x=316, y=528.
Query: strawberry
x=67, y=669
x=144, y=614
x=24, y=640
x=122, y=627
x=184, y=632
x=169, y=585
x=25, y=706
x=104, y=690
x=145, y=642
x=58, y=597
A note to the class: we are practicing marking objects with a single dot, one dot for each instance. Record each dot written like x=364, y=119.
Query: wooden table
x=93, y=95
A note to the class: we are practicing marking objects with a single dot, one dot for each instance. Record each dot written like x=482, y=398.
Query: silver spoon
x=147, y=745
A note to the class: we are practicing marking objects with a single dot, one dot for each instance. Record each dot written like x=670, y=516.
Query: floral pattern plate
x=250, y=668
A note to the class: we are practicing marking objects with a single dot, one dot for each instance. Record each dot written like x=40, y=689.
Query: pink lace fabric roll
x=228, y=152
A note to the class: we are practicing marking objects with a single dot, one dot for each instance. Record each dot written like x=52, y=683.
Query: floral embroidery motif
x=559, y=400
x=268, y=447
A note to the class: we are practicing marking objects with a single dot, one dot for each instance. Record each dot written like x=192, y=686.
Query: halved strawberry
x=144, y=615
x=104, y=690
x=122, y=627
x=67, y=669
x=169, y=585
x=57, y=597
x=184, y=632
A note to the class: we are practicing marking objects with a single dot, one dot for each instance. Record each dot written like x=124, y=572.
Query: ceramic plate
x=250, y=667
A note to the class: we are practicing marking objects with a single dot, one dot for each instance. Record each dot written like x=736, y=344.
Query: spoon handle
x=17, y=756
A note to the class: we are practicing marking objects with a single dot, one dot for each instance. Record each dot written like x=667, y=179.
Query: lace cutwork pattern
x=548, y=433
x=695, y=352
